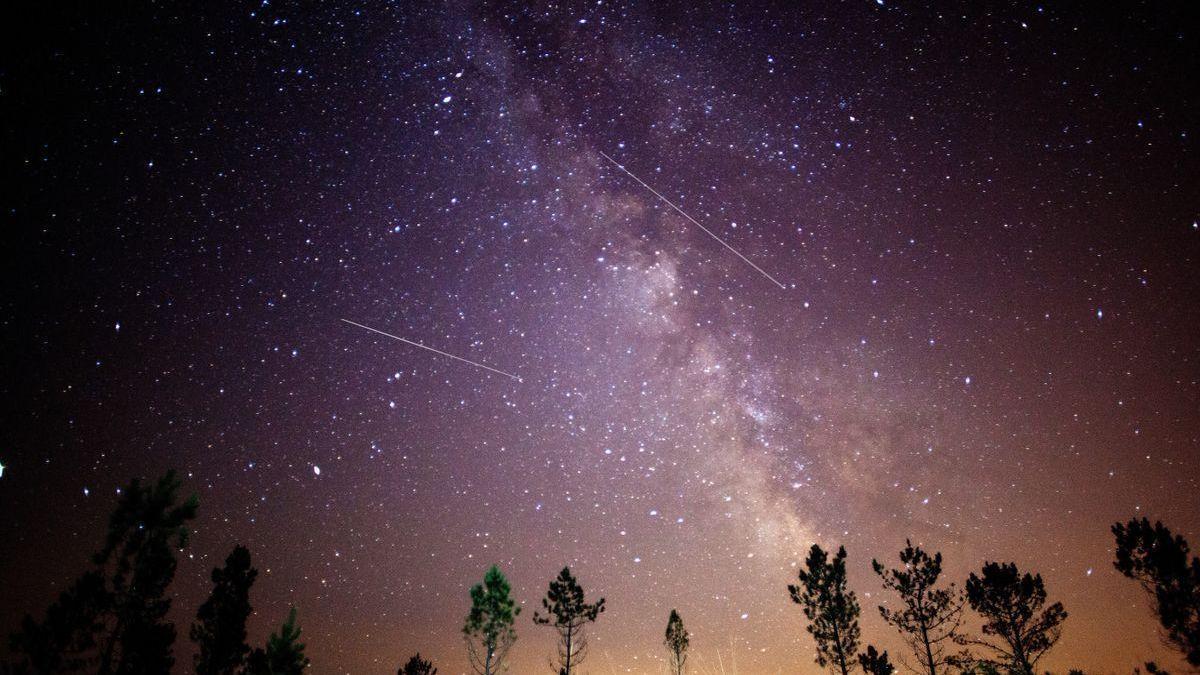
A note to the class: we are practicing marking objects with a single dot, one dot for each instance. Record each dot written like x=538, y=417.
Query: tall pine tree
x=1159, y=561
x=832, y=610
x=677, y=641
x=112, y=620
x=220, y=628
x=567, y=612
x=1011, y=605
x=488, y=630
x=929, y=616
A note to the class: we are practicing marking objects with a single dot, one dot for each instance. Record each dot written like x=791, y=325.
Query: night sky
x=985, y=221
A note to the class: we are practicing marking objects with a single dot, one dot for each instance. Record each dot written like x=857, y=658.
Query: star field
x=984, y=220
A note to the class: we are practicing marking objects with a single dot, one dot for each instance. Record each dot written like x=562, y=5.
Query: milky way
x=984, y=222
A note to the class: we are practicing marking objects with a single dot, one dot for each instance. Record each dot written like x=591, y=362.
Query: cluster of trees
x=489, y=630
x=112, y=619
x=1019, y=627
x=1019, y=624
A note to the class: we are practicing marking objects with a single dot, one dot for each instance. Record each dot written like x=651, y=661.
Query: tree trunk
x=928, y=649
x=841, y=653
x=567, y=669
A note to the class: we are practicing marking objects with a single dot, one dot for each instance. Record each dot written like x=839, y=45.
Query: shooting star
x=693, y=220
x=435, y=351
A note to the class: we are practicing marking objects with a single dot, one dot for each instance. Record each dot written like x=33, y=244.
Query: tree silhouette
x=488, y=630
x=1151, y=667
x=931, y=616
x=677, y=641
x=568, y=613
x=284, y=654
x=832, y=611
x=66, y=641
x=1158, y=560
x=112, y=620
x=874, y=663
x=1011, y=606
x=416, y=666
x=220, y=628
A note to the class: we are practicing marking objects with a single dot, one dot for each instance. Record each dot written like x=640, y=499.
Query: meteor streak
x=435, y=351
x=693, y=220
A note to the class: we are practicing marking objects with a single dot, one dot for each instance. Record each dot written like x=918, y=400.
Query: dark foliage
x=1011, y=604
x=930, y=615
x=1159, y=561
x=417, y=666
x=677, y=642
x=112, y=620
x=284, y=654
x=567, y=612
x=831, y=609
x=220, y=628
x=874, y=663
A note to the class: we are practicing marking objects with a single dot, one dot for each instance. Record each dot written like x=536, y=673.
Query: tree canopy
x=488, y=629
x=1014, y=612
x=1159, y=561
x=832, y=610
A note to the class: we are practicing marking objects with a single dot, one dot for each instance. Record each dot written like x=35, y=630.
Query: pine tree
x=1011, y=605
x=677, y=641
x=1158, y=560
x=417, y=666
x=220, y=628
x=488, y=630
x=831, y=609
x=874, y=663
x=930, y=615
x=568, y=613
x=112, y=620
x=284, y=654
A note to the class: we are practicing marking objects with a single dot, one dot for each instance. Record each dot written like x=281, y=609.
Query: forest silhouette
x=112, y=619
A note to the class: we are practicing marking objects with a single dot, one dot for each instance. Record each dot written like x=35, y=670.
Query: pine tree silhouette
x=416, y=666
x=67, y=640
x=874, y=663
x=831, y=609
x=1011, y=606
x=677, y=641
x=1158, y=560
x=568, y=613
x=112, y=620
x=284, y=654
x=930, y=615
x=220, y=627
x=488, y=630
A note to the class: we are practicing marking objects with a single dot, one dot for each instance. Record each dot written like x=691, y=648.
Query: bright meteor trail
x=435, y=351
x=693, y=220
